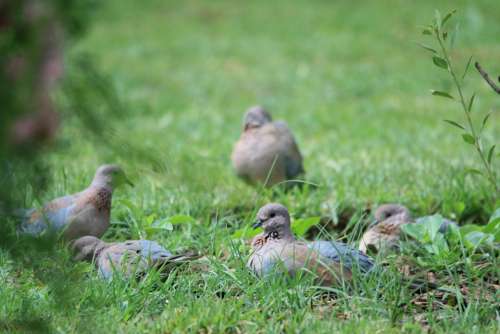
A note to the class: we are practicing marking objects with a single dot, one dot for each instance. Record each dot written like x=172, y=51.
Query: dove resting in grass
x=80, y=214
x=385, y=233
x=266, y=152
x=331, y=262
x=133, y=258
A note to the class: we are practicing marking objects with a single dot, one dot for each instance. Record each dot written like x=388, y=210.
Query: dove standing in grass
x=130, y=258
x=266, y=152
x=80, y=214
x=385, y=233
x=277, y=247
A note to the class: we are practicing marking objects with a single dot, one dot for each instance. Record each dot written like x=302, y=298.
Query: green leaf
x=459, y=207
x=426, y=231
x=495, y=216
x=490, y=154
x=466, y=229
x=493, y=226
x=440, y=62
x=431, y=224
x=152, y=231
x=473, y=171
x=164, y=224
x=447, y=17
x=439, y=244
x=443, y=94
x=467, y=67
x=181, y=219
x=428, y=48
x=415, y=231
x=427, y=31
x=445, y=35
x=300, y=226
x=471, y=102
x=150, y=219
x=454, y=124
x=157, y=227
x=453, y=234
x=468, y=138
x=437, y=15
x=485, y=120
x=476, y=238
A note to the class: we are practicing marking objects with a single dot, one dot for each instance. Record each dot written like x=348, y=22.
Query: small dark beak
x=257, y=224
x=373, y=223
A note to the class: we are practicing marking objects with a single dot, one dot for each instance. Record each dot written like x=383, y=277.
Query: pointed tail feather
x=167, y=263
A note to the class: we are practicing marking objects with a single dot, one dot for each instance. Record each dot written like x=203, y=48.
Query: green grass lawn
x=352, y=84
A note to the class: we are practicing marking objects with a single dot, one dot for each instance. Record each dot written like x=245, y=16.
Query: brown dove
x=385, y=233
x=80, y=214
x=130, y=258
x=266, y=152
x=330, y=262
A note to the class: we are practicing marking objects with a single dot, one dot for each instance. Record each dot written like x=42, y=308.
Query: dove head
x=275, y=220
x=387, y=211
x=110, y=175
x=86, y=248
x=255, y=117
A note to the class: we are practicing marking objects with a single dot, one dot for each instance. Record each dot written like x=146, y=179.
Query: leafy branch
x=470, y=133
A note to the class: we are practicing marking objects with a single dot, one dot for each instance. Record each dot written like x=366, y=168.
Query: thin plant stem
x=491, y=175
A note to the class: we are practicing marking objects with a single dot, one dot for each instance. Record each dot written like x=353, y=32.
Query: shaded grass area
x=353, y=86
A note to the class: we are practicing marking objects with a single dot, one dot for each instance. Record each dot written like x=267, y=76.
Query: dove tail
x=422, y=285
x=176, y=260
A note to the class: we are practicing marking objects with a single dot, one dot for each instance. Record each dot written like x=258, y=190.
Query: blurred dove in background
x=130, y=258
x=266, y=151
x=386, y=231
x=80, y=214
x=332, y=262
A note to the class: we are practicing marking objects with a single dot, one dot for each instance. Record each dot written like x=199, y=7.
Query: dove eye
x=274, y=235
x=272, y=215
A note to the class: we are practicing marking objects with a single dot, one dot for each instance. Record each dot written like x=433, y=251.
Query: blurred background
x=349, y=79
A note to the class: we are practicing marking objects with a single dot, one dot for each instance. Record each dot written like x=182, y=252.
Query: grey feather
x=343, y=253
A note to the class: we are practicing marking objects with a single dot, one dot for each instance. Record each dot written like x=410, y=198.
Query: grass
x=353, y=86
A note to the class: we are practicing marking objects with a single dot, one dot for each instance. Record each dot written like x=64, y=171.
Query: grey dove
x=80, y=214
x=277, y=247
x=385, y=233
x=266, y=152
x=133, y=258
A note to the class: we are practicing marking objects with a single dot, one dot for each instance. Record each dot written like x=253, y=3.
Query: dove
x=266, y=152
x=132, y=258
x=80, y=214
x=385, y=233
x=331, y=262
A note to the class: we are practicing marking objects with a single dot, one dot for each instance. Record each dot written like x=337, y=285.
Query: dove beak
x=373, y=223
x=258, y=224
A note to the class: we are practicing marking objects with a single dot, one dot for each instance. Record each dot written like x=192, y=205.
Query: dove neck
x=289, y=237
x=284, y=235
x=102, y=183
x=99, y=248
